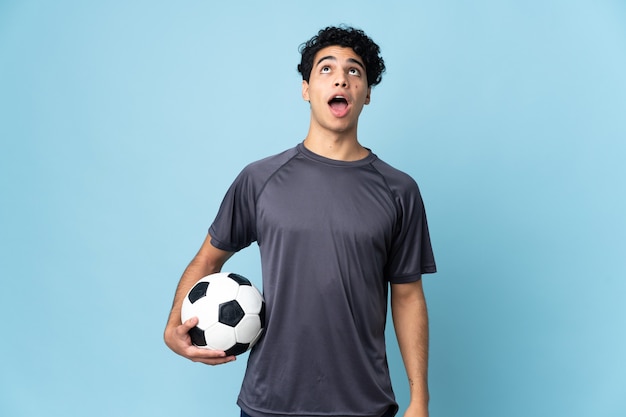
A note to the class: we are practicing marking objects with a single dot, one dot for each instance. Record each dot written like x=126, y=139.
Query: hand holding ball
x=231, y=313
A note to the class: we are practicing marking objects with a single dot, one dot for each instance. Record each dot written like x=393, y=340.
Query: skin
x=410, y=319
x=337, y=71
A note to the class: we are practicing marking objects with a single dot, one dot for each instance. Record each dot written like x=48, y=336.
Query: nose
x=341, y=81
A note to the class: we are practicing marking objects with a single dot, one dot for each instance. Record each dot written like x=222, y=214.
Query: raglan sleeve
x=411, y=252
x=234, y=227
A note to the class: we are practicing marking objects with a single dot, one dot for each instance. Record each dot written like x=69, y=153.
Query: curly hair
x=346, y=37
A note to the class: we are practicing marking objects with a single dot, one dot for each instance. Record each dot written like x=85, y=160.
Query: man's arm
x=410, y=319
x=208, y=260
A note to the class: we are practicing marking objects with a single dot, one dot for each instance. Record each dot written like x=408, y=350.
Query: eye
x=354, y=71
x=325, y=70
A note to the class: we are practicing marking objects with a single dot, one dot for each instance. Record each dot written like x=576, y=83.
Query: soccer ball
x=231, y=313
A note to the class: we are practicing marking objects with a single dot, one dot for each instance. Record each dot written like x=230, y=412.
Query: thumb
x=189, y=324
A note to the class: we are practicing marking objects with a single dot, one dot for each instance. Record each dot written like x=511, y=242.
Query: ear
x=367, y=98
x=305, y=90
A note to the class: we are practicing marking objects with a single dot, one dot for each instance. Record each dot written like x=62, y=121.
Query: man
x=336, y=226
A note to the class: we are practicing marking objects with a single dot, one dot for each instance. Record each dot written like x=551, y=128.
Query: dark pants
x=389, y=413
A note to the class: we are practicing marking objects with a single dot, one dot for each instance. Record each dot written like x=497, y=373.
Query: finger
x=188, y=325
x=218, y=361
x=200, y=353
x=208, y=356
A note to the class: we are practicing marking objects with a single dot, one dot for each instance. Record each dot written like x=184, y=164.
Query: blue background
x=123, y=123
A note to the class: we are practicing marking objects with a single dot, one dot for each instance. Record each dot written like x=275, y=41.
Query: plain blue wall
x=122, y=124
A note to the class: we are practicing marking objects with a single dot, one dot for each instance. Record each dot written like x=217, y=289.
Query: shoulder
x=256, y=174
x=270, y=164
x=399, y=182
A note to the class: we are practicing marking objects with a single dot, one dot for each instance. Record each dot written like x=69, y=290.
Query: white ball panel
x=206, y=311
x=250, y=299
x=222, y=288
x=188, y=310
x=247, y=329
x=220, y=337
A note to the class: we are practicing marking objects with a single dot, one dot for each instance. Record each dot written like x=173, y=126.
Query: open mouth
x=338, y=104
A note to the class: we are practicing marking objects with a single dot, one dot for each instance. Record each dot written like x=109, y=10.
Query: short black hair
x=346, y=37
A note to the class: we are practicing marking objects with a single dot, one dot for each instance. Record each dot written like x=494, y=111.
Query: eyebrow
x=332, y=58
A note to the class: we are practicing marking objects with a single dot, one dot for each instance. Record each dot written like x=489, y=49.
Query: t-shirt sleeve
x=411, y=252
x=234, y=227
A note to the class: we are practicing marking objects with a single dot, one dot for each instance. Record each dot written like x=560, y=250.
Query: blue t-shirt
x=332, y=234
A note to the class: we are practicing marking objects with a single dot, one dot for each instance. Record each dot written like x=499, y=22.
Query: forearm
x=410, y=317
x=207, y=261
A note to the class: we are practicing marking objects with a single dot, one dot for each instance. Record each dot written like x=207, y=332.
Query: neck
x=337, y=146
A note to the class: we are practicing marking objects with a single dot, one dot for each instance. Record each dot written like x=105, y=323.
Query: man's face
x=337, y=89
